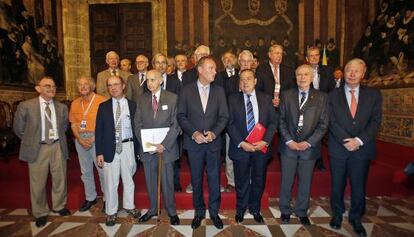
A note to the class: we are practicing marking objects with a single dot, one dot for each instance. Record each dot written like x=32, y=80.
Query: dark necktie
x=48, y=123
x=154, y=104
x=118, y=129
x=301, y=110
x=142, y=79
x=250, y=115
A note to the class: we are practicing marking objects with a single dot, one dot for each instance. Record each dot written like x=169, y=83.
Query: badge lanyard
x=85, y=112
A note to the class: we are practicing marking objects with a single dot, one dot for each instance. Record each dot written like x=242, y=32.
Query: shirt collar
x=157, y=94
x=201, y=85
x=347, y=88
x=251, y=94
x=43, y=101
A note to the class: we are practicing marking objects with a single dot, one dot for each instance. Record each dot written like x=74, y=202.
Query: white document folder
x=152, y=136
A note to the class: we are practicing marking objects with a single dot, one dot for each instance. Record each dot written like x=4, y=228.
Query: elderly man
x=125, y=65
x=158, y=109
x=136, y=85
x=171, y=66
x=41, y=123
x=169, y=83
x=203, y=115
x=273, y=77
x=303, y=122
x=181, y=61
x=229, y=62
x=355, y=119
x=116, y=146
x=112, y=60
x=248, y=159
x=82, y=116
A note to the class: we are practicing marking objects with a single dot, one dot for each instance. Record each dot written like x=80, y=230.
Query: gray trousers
x=87, y=159
x=304, y=169
x=167, y=185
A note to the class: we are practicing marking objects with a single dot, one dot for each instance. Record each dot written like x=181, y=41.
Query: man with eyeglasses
x=169, y=83
x=136, y=85
x=116, y=146
x=112, y=60
x=41, y=123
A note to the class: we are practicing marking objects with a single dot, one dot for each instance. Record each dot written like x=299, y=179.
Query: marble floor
x=385, y=216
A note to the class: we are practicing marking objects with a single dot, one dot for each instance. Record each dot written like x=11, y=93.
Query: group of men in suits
x=204, y=105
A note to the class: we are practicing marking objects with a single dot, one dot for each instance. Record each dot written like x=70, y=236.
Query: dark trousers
x=177, y=164
x=211, y=161
x=304, y=169
x=250, y=179
x=357, y=172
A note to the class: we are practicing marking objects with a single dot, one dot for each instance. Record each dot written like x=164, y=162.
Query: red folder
x=256, y=135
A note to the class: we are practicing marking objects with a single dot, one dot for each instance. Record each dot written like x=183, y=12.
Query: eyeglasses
x=160, y=63
x=113, y=85
x=47, y=86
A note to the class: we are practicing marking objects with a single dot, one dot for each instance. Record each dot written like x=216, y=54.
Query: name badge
x=52, y=134
x=165, y=107
x=300, y=123
x=83, y=124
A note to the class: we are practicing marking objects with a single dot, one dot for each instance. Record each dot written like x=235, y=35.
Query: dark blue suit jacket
x=266, y=80
x=192, y=118
x=365, y=125
x=105, y=130
x=237, y=128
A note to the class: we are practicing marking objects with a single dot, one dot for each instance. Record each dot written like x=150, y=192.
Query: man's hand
x=247, y=147
x=293, y=146
x=199, y=138
x=276, y=102
x=351, y=144
x=86, y=143
x=100, y=160
x=159, y=148
x=303, y=146
x=259, y=145
x=210, y=136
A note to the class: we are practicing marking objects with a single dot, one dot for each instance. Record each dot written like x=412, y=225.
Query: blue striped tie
x=250, y=115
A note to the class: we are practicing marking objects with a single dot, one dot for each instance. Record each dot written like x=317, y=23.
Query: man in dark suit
x=303, y=122
x=246, y=109
x=355, y=119
x=136, y=85
x=41, y=123
x=229, y=62
x=203, y=115
x=158, y=109
x=272, y=77
x=323, y=80
x=116, y=144
x=169, y=83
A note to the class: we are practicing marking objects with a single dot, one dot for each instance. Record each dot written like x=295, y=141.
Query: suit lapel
x=361, y=101
x=295, y=106
x=242, y=109
x=344, y=102
x=197, y=95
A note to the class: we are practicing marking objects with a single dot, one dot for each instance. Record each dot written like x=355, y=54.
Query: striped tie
x=301, y=110
x=250, y=115
x=118, y=129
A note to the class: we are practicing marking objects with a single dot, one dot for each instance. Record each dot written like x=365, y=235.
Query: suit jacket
x=191, y=76
x=134, y=89
x=192, y=118
x=173, y=84
x=105, y=130
x=233, y=85
x=101, y=81
x=266, y=80
x=326, y=78
x=237, y=127
x=365, y=125
x=166, y=116
x=315, y=122
x=27, y=125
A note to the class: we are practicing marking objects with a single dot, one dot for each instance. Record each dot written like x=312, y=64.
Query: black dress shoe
x=285, y=218
x=196, y=222
x=87, y=205
x=178, y=188
x=63, y=212
x=41, y=221
x=110, y=220
x=146, y=217
x=304, y=220
x=239, y=217
x=174, y=220
x=358, y=228
x=258, y=217
x=319, y=164
x=335, y=222
x=217, y=222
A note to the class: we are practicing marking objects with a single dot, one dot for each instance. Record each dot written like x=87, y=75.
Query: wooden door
x=124, y=28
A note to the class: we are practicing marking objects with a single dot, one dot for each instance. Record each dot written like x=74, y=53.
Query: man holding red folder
x=251, y=128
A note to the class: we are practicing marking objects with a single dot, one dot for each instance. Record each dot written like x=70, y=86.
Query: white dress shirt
x=253, y=100
x=43, y=117
x=125, y=117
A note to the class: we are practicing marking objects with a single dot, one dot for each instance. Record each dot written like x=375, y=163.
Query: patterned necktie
x=113, y=72
x=277, y=82
x=48, y=123
x=301, y=110
x=250, y=115
x=154, y=105
x=354, y=103
x=142, y=79
x=118, y=129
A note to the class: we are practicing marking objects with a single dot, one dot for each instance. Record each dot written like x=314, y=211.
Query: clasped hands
x=201, y=138
x=351, y=144
x=298, y=146
x=252, y=147
x=86, y=143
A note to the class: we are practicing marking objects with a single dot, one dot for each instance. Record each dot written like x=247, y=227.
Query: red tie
x=154, y=105
x=354, y=103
